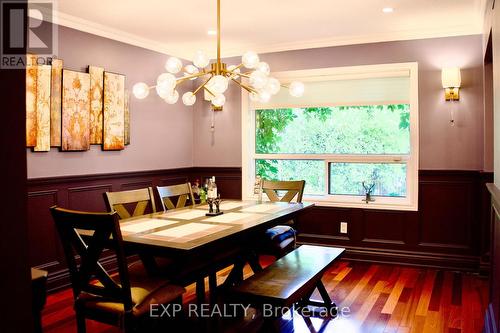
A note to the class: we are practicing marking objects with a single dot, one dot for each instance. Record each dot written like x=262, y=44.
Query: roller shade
x=345, y=90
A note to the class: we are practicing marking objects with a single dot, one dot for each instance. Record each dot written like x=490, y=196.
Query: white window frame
x=410, y=202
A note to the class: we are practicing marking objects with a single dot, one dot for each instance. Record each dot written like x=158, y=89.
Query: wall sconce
x=451, y=80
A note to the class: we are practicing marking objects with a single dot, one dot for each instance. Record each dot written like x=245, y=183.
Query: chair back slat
x=106, y=234
x=294, y=190
x=182, y=191
x=117, y=201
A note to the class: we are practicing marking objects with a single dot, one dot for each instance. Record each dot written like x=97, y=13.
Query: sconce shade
x=450, y=77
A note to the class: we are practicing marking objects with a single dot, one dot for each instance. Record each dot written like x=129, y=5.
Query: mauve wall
x=441, y=146
x=161, y=134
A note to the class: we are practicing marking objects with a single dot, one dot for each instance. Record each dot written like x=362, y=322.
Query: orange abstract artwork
x=96, y=87
x=31, y=76
x=55, y=103
x=43, y=108
x=114, y=111
x=75, y=111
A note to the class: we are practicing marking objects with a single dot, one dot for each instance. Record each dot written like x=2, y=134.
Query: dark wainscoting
x=450, y=230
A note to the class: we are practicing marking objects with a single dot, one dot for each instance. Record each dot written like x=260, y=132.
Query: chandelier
x=256, y=81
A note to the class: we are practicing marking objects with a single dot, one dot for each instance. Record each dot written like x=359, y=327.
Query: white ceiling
x=180, y=27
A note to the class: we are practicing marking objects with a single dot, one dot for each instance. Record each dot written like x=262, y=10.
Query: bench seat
x=290, y=279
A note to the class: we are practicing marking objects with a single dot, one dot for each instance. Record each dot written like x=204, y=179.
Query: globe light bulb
x=172, y=97
x=264, y=96
x=219, y=100
x=272, y=86
x=173, y=65
x=167, y=81
x=140, y=90
x=200, y=59
x=250, y=59
x=218, y=84
x=236, y=71
x=258, y=79
x=163, y=91
x=296, y=89
x=190, y=70
x=263, y=67
x=188, y=98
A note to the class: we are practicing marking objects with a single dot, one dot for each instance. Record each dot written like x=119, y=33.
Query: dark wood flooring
x=380, y=298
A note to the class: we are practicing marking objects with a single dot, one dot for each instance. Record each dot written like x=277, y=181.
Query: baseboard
x=408, y=258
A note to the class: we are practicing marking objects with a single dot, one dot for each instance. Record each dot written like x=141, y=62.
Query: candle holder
x=211, y=203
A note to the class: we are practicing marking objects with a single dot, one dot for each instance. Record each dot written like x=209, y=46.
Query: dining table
x=198, y=245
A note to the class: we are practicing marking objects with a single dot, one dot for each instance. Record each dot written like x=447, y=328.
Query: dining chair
x=184, y=192
x=141, y=198
x=120, y=299
x=280, y=239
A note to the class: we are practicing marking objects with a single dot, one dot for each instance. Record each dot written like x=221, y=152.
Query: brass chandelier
x=259, y=84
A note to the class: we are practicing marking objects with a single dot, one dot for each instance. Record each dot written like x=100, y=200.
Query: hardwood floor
x=378, y=298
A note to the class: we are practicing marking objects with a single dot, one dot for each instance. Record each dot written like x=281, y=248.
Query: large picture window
x=356, y=128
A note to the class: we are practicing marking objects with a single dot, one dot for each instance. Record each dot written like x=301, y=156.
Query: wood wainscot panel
x=228, y=180
x=384, y=227
x=88, y=198
x=446, y=212
x=42, y=236
x=323, y=223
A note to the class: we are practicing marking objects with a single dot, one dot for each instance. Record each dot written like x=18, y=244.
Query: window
x=356, y=128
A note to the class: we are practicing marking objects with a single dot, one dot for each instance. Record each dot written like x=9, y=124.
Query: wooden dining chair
x=140, y=200
x=119, y=299
x=184, y=192
x=280, y=239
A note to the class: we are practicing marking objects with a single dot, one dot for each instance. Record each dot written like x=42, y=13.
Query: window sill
x=329, y=201
x=326, y=201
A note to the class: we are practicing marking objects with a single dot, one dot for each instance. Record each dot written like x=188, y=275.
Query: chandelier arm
x=209, y=91
x=202, y=85
x=244, y=75
x=244, y=86
x=184, y=78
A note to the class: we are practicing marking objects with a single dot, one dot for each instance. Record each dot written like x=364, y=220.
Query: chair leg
x=80, y=322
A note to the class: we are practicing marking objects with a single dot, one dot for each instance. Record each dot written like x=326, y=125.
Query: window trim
x=410, y=202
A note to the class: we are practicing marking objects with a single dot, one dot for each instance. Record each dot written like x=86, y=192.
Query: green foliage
x=371, y=129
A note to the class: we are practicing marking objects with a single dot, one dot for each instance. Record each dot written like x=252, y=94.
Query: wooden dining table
x=199, y=245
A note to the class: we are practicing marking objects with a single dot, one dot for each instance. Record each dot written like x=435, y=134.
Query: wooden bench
x=291, y=280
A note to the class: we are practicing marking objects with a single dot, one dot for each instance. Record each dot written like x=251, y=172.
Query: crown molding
x=170, y=49
x=462, y=30
x=101, y=30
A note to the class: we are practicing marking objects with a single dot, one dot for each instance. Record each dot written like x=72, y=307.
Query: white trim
x=410, y=202
x=94, y=28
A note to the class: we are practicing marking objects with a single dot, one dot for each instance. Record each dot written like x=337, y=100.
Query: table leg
x=200, y=290
x=212, y=285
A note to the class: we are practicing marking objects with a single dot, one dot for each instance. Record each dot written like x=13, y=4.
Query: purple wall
x=169, y=136
x=161, y=134
x=441, y=145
